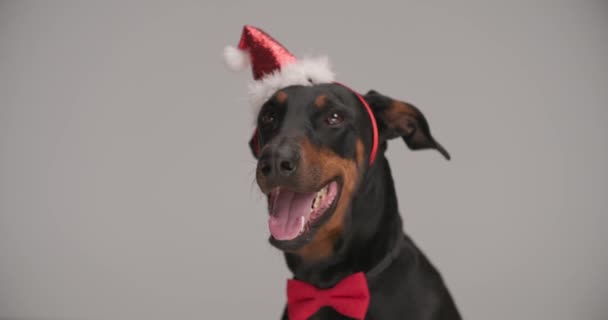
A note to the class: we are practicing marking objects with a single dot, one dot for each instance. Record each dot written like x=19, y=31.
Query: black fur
x=409, y=287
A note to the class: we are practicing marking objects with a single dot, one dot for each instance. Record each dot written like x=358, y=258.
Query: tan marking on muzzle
x=325, y=165
x=360, y=154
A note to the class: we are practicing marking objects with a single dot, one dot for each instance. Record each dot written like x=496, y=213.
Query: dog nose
x=281, y=161
x=287, y=158
x=287, y=167
x=265, y=166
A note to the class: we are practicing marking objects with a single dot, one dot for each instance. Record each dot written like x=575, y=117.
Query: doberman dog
x=331, y=212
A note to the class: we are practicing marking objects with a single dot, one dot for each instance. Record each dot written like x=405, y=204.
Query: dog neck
x=366, y=242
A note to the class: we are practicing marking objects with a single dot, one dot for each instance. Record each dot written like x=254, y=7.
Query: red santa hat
x=273, y=66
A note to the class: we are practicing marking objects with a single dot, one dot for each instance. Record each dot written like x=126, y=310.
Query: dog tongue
x=288, y=208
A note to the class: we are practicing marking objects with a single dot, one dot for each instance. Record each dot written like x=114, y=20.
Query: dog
x=332, y=201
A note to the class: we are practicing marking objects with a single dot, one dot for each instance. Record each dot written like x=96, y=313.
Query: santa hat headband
x=274, y=67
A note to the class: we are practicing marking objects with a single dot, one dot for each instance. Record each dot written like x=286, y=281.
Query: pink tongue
x=285, y=218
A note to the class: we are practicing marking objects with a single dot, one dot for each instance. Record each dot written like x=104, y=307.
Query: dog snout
x=279, y=161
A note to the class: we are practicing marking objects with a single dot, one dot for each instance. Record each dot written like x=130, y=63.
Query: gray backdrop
x=126, y=184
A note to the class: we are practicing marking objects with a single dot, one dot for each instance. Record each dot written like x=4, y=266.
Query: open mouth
x=294, y=214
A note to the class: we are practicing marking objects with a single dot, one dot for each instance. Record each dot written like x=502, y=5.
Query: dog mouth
x=294, y=214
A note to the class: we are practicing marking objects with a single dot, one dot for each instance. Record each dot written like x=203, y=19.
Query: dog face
x=313, y=145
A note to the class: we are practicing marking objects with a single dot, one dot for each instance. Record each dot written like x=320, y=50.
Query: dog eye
x=267, y=119
x=334, y=119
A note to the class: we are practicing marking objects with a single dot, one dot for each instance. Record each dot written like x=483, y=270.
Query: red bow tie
x=349, y=297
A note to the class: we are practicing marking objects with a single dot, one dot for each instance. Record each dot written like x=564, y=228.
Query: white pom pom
x=236, y=59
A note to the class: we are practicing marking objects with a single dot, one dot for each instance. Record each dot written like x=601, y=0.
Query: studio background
x=126, y=182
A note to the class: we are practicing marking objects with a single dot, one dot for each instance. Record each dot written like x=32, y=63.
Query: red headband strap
x=373, y=152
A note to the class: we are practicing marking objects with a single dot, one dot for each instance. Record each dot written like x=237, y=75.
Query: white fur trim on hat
x=306, y=72
x=235, y=58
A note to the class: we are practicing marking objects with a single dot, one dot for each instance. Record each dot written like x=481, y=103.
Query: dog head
x=313, y=145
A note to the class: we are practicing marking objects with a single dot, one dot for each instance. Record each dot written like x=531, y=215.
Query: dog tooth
x=302, y=223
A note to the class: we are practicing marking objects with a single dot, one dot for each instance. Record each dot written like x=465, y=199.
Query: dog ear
x=400, y=119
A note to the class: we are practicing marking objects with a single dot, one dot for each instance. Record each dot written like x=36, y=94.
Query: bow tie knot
x=349, y=297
